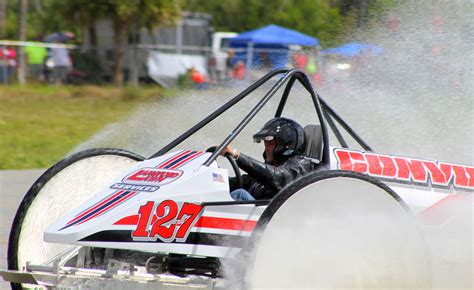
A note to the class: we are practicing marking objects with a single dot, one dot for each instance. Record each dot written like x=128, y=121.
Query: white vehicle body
x=165, y=186
x=112, y=216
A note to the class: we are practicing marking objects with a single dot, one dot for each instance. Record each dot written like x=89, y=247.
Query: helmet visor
x=268, y=132
x=264, y=134
x=259, y=139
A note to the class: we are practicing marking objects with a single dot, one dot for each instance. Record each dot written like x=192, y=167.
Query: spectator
x=265, y=60
x=198, y=78
x=230, y=63
x=36, y=57
x=7, y=63
x=300, y=60
x=239, y=71
x=312, y=70
x=62, y=62
x=311, y=66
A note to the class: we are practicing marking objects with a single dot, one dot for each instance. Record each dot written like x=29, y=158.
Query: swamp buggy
x=109, y=215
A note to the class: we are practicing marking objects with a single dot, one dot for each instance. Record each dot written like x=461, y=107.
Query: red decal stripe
x=203, y=222
x=226, y=224
x=162, y=165
x=132, y=193
x=441, y=211
x=186, y=160
x=131, y=220
x=95, y=206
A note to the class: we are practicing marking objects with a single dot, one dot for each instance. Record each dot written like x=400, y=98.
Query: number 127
x=168, y=223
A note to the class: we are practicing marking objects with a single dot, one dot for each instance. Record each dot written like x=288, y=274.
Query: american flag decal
x=217, y=177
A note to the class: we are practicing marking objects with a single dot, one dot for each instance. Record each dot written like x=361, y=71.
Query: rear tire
x=63, y=187
x=338, y=229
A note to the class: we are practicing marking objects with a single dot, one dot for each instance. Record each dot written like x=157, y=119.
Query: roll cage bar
x=323, y=110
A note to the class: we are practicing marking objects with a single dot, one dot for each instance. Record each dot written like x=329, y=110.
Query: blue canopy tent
x=271, y=41
x=353, y=49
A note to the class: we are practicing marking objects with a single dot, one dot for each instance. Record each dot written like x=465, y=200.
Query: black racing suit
x=264, y=181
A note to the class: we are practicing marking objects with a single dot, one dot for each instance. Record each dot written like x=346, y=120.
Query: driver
x=284, y=142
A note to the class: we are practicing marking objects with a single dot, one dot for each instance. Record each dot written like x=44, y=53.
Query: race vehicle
x=109, y=215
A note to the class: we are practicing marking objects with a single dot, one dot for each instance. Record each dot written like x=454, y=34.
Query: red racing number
x=144, y=212
x=168, y=223
x=164, y=227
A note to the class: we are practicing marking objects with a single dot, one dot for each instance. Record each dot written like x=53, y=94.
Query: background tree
x=43, y=18
x=318, y=18
x=83, y=14
x=126, y=16
x=359, y=14
x=329, y=20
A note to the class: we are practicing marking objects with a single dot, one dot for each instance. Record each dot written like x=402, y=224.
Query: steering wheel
x=233, y=163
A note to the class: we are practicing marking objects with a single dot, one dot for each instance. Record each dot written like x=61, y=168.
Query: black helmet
x=288, y=134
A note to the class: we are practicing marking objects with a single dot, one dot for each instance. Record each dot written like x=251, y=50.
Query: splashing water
x=415, y=99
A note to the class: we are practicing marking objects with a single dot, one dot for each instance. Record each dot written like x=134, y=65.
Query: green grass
x=40, y=124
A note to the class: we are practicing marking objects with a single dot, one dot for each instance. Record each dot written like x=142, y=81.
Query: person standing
x=198, y=78
x=62, y=62
x=36, y=56
x=7, y=64
x=230, y=63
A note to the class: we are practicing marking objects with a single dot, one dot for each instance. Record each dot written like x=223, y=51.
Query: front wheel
x=338, y=229
x=62, y=188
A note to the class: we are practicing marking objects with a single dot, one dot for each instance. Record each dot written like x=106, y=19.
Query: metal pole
x=246, y=120
x=295, y=73
x=335, y=130
x=179, y=38
x=344, y=125
x=23, y=9
x=218, y=112
x=134, y=61
x=248, y=65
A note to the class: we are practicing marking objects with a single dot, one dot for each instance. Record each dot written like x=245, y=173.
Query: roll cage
x=289, y=76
